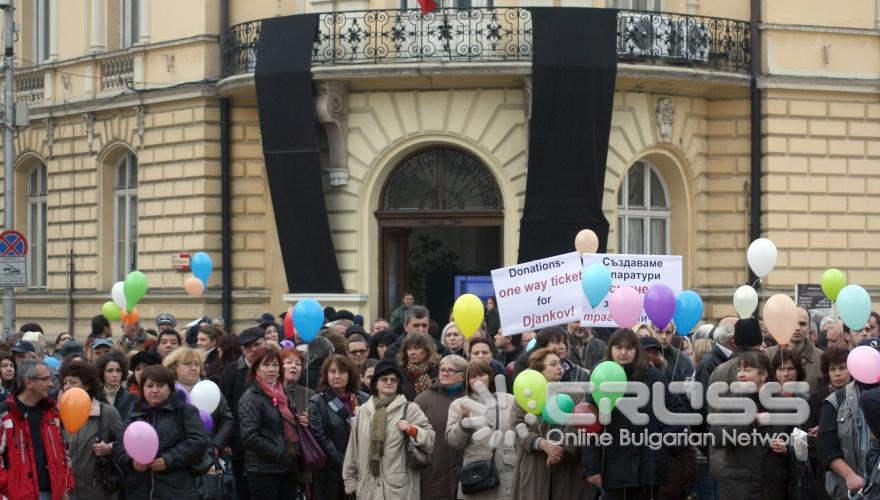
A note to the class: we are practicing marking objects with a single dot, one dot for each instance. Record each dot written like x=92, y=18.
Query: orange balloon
x=586, y=241
x=130, y=318
x=194, y=286
x=781, y=317
x=75, y=408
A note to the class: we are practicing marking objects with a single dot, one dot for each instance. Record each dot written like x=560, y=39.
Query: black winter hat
x=384, y=367
x=250, y=335
x=747, y=333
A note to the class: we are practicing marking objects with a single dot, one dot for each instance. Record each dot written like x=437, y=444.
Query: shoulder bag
x=480, y=475
x=311, y=457
x=107, y=471
x=415, y=457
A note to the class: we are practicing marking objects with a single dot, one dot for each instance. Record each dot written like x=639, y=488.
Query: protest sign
x=637, y=271
x=539, y=293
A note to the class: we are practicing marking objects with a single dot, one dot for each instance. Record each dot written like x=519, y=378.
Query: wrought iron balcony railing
x=496, y=34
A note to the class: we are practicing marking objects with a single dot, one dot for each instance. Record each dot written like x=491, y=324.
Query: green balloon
x=135, y=288
x=565, y=404
x=607, y=371
x=530, y=391
x=111, y=310
x=832, y=283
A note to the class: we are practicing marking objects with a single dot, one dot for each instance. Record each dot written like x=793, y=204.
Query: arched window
x=441, y=179
x=36, y=224
x=125, y=215
x=643, y=214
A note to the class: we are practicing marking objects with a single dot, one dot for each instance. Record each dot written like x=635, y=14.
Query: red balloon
x=288, y=324
x=589, y=408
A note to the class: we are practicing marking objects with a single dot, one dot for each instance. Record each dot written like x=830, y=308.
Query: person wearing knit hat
x=384, y=367
x=747, y=334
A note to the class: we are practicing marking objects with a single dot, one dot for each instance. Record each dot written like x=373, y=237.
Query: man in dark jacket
x=584, y=348
x=233, y=383
x=416, y=319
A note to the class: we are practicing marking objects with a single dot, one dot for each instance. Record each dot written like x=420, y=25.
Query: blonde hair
x=651, y=330
x=700, y=348
x=184, y=355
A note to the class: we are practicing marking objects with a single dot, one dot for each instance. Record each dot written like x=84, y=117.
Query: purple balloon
x=286, y=344
x=207, y=421
x=141, y=442
x=183, y=390
x=660, y=304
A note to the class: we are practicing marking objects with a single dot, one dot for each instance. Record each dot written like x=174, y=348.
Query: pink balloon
x=141, y=442
x=626, y=306
x=863, y=364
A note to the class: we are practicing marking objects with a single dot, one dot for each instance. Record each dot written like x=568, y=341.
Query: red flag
x=427, y=6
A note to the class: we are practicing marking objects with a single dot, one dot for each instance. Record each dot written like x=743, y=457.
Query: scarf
x=420, y=374
x=288, y=423
x=377, y=432
x=110, y=394
x=453, y=390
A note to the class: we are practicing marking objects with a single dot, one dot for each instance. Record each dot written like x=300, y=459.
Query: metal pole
x=8, y=154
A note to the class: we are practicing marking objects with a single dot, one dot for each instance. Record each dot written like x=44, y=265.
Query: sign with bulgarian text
x=637, y=271
x=539, y=293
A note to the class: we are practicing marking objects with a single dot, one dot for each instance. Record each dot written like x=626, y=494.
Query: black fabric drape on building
x=573, y=73
x=290, y=147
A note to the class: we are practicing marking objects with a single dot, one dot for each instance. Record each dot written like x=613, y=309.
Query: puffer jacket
x=331, y=432
x=18, y=475
x=182, y=444
x=262, y=435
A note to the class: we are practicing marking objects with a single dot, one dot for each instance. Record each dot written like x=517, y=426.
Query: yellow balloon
x=468, y=314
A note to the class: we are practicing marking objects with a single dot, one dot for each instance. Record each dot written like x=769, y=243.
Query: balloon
x=586, y=241
x=626, y=306
x=468, y=314
x=832, y=282
x=530, y=391
x=182, y=389
x=688, y=311
x=660, y=304
x=607, y=371
x=201, y=266
x=762, y=256
x=111, y=310
x=135, y=289
x=585, y=408
x=205, y=396
x=52, y=363
x=194, y=286
x=781, y=317
x=745, y=300
x=130, y=318
x=141, y=442
x=531, y=344
x=308, y=316
x=863, y=364
x=854, y=305
x=287, y=344
x=207, y=421
x=118, y=293
x=596, y=282
x=75, y=409
x=565, y=404
x=289, y=330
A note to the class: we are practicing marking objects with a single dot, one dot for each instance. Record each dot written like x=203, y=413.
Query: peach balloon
x=194, y=286
x=781, y=317
x=75, y=409
x=586, y=241
x=130, y=318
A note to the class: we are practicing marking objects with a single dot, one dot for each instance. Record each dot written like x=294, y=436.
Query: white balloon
x=205, y=396
x=762, y=256
x=118, y=293
x=745, y=300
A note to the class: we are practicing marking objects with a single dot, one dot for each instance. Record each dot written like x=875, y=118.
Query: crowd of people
x=410, y=408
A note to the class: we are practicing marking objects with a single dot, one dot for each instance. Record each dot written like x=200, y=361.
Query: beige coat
x=395, y=480
x=505, y=457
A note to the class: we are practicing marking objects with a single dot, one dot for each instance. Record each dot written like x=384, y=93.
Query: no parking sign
x=13, y=267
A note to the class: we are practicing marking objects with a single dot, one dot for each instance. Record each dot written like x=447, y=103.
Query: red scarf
x=279, y=400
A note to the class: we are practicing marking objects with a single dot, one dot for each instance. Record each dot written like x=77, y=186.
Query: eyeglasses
x=47, y=378
x=449, y=371
x=357, y=352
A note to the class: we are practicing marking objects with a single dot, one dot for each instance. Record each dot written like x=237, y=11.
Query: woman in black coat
x=183, y=442
x=268, y=432
x=112, y=369
x=331, y=414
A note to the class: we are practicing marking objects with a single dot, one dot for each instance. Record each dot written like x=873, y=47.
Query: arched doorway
x=440, y=216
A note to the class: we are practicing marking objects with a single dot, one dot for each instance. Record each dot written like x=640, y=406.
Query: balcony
x=487, y=35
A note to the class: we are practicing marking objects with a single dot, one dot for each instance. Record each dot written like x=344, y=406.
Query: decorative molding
x=49, y=123
x=331, y=106
x=665, y=112
x=140, y=118
x=89, y=124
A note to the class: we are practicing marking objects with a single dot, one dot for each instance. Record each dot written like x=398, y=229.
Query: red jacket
x=18, y=474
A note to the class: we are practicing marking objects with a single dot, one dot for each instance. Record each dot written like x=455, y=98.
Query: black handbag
x=107, y=471
x=481, y=475
x=217, y=484
x=415, y=457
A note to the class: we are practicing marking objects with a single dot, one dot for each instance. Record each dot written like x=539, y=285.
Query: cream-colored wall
x=821, y=54
x=852, y=14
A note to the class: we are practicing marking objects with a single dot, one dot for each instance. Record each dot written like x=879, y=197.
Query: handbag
x=481, y=475
x=218, y=483
x=311, y=457
x=415, y=457
x=107, y=471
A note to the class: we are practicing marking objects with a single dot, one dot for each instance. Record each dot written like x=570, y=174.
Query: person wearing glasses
x=437, y=481
x=809, y=353
x=30, y=423
x=358, y=350
x=62, y=339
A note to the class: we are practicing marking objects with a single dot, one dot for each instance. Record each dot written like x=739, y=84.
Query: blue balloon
x=596, y=282
x=688, y=312
x=854, y=305
x=308, y=317
x=201, y=266
x=51, y=362
x=531, y=344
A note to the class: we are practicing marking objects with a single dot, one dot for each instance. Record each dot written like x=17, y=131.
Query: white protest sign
x=539, y=294
x=637, y=271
